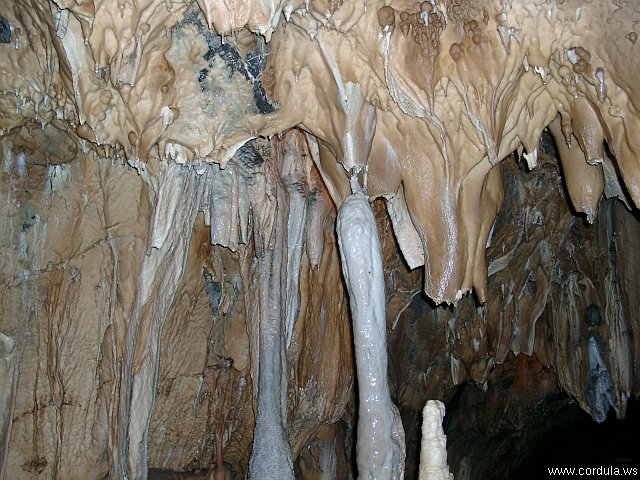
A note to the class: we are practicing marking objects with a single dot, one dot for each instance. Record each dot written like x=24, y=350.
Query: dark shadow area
x=581, y=442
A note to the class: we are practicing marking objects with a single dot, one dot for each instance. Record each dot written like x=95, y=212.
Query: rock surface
x=171, y=174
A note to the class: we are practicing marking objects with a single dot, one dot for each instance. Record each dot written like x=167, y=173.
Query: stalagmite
x=380, y=448
x=433, y=451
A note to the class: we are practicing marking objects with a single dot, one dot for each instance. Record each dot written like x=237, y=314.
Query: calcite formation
x=380, y=449
x=172, y=171
x=433, y=454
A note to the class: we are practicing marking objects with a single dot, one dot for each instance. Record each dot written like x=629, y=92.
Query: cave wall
x=170, y=178
x=506, y=367
x=74, y=239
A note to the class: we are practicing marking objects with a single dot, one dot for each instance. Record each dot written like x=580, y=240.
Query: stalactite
x=271, y=455
x=177, y=204
x=294, y=184
x=380, y=440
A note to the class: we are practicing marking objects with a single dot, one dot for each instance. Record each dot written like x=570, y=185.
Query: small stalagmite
x=433, y=451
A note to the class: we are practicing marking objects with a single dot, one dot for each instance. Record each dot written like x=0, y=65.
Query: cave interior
x=319, y=239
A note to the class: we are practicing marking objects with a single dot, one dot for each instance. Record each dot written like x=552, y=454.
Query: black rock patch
x=5, y=30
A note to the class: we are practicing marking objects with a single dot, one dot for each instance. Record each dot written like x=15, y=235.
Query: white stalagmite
x=433, y=451
x=380, y=446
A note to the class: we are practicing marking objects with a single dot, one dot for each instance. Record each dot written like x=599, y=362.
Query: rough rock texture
x=67, y=306
x=489, y=432
x=549, y=272
x=170, y=182
x=434, y=129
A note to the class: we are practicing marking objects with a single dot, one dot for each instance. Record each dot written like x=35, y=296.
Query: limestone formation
x=174, y=294
x=433, y=453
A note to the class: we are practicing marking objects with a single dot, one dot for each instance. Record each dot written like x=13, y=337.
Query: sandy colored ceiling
x=429, y=96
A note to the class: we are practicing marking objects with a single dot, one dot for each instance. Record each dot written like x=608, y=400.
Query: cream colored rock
x=433, y=450
x=111, y=112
